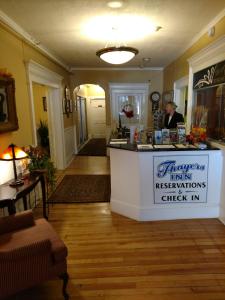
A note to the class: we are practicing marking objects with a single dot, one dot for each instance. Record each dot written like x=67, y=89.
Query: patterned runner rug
x=82, y=189
x=95, y=147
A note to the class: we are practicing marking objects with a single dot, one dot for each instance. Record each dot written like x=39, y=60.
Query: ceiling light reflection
x=115, y=28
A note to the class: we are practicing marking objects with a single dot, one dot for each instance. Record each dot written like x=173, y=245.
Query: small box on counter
x=165, y=136
x=181, y=133
x=173, y=136
x=158, y=137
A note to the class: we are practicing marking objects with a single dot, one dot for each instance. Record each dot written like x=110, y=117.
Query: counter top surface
x=133, y=147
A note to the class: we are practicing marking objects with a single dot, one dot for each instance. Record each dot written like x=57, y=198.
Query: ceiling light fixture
x=117, y=55
x=115, y=4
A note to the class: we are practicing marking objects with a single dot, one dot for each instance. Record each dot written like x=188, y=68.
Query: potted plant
x=43, y=134
x=40, y=162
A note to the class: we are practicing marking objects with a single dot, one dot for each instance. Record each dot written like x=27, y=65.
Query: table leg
x=24, y=202
x=11, y=207
x=42, y=180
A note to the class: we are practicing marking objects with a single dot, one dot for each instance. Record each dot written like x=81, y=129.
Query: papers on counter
x=181, y=146
x=164, y=146
x=118, y=142
x=144, y=147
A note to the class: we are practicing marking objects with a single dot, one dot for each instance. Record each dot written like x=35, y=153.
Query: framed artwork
x=66, y=102
x=168, y=96
x=44, y=101
x=8, y=115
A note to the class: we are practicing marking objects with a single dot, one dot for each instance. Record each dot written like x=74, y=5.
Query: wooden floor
x=114, y=258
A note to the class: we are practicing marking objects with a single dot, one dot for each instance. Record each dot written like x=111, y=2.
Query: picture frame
x=8, y=114
x=44, y=101
x=168, y=96
x=66, y=102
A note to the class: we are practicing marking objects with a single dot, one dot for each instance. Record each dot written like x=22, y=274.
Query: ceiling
x=75, y=29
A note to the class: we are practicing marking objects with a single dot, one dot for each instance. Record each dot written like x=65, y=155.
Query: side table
x=10, y=195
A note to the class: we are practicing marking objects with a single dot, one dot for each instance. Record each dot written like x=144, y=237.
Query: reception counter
x=163, y=184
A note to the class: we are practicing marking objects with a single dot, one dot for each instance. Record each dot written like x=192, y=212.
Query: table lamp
x=13, y=153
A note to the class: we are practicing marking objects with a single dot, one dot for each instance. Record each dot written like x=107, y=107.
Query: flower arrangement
x=39, y=161
x=128, y=110
x=197, y=134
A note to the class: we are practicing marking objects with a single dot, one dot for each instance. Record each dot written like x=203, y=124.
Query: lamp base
x=16, y=183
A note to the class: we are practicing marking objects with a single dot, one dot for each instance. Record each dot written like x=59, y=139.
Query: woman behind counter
x=172, y=117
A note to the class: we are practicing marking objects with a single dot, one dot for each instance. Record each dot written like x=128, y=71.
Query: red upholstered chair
x=30, y=253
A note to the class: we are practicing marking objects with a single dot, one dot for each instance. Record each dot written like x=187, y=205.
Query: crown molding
x=204, y=30
x=117, y=69
x=210, y=55
x=6, y=20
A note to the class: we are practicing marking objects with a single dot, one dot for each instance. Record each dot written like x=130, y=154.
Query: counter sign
x=180, y=179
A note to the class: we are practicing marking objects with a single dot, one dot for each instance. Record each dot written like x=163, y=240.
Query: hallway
x=86, y=165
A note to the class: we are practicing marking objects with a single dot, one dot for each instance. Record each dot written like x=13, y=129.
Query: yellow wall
x=179, y=68
x=95, y=91
x=105, y=77
x=40, y=91
x=13, y=53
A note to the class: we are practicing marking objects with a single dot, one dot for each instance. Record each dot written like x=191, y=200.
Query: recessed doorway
x=40, y=99
x=91, y=119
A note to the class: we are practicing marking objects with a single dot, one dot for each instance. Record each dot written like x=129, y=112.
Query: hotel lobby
x=112, y=150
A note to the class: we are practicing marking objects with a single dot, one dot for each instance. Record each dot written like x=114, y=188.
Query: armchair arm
x=18, y=253
x=16, y=222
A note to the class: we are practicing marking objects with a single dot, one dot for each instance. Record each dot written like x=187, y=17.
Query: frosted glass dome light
x=117, y=55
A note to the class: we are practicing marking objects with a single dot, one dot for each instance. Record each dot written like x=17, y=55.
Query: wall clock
x=155, y=96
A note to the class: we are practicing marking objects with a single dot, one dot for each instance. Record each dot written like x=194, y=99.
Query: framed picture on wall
x=66, y=102
x=44, y=101
x=168, y=96
x=8, y=115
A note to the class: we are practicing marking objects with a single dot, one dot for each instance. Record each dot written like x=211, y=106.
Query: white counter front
x=164, y=185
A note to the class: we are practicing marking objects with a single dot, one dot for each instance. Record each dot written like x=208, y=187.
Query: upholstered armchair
x=30, y=253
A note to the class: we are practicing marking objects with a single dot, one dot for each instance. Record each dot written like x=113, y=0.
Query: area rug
x=82, y=189
x=94, y=147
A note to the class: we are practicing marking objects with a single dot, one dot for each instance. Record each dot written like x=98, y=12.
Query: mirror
x=8, y=116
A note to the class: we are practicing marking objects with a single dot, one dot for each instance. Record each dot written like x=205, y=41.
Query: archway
x=91, y=113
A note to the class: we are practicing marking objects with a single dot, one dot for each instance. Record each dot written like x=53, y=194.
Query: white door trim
x=206, y=57
x=178, y=86
x=39, y=74
x=116, y=88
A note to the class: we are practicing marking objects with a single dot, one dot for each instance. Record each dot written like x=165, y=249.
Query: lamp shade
x=13, y=152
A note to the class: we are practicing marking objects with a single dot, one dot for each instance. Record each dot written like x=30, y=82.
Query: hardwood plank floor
x=112, y=257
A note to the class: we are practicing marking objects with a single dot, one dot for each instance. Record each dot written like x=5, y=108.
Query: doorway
x=38, y=74
x=181, y=95
x=134, y=96
x=91, y=115
x=40, y=97
x=82, y=119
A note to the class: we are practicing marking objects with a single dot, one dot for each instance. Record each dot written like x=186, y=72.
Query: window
x=209, y=111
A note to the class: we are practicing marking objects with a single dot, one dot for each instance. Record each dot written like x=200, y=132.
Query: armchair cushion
x=24, y=252
x=41, y=231
x=30, y=252
x=16, y=222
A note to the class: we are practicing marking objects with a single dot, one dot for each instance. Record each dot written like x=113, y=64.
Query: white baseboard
x=155, y=213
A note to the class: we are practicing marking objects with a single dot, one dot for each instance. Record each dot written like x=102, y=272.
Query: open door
x=82, y=119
